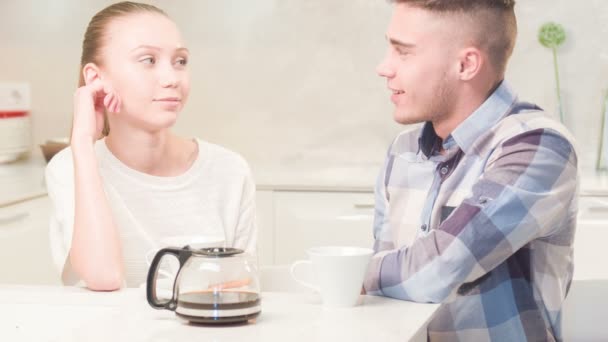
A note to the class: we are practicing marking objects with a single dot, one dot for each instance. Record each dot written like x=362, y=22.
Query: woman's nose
x=168, y=77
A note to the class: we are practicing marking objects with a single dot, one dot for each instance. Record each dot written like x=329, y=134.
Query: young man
x=477, y=208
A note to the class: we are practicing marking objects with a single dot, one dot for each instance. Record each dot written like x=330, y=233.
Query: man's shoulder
x=525, y=122
x=527, y=128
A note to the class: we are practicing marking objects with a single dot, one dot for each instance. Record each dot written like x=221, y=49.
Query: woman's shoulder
x=219, y=155
x=61, y=166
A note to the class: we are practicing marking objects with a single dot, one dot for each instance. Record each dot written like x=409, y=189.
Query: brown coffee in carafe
x=218, y=307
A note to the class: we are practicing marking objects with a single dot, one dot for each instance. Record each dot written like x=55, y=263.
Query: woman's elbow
x=108, y=282
x=96, y=276
x=111, y=279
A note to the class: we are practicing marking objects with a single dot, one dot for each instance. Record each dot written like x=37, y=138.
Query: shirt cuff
x=372, y=282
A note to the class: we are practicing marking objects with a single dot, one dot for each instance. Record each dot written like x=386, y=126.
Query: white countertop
x=36, y=313
x=21, y=180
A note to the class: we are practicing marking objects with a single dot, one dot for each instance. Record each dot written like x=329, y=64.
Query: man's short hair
x=492, y=21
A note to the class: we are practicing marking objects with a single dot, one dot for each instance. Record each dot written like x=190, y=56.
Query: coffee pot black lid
x=218, y=252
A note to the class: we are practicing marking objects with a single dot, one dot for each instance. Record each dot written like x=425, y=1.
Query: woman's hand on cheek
x=111, y=101
x=90, y=104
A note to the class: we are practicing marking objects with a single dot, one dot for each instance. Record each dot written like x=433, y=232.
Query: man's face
x=420, y=66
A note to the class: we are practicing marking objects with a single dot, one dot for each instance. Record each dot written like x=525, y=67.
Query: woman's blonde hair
x=95, y=33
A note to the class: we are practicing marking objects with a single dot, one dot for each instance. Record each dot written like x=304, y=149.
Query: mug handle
x=293, y=274
x=182, y=255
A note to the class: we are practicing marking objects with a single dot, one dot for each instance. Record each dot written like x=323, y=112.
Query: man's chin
x=406, y=119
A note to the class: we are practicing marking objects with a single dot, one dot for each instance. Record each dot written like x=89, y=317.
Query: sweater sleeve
x=59, y=177
x=246, y=229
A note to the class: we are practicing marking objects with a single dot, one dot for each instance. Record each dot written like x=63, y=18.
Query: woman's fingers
x=115, y=105
x=87, y=104
x=111, y=102
x=107, y=100
x=118, y=104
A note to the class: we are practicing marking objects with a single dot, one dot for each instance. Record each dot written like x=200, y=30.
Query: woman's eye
x=182, y=61
x=148, y=60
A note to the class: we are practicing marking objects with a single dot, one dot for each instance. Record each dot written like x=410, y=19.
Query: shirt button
x=444, y=170
x=423, y=227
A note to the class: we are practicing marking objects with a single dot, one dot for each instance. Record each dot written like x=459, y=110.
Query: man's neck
x=466, y=103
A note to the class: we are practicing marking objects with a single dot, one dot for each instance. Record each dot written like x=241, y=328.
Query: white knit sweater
x=215, y=198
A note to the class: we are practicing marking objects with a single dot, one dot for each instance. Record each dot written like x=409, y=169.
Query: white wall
x=583, y=63
x=291, y=83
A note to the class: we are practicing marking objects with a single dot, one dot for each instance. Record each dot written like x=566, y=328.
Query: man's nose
x=385, y=69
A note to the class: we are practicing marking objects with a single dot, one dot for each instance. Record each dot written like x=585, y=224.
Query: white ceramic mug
x=339, y=273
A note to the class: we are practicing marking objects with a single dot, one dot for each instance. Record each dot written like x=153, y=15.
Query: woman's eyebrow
x=151, y=47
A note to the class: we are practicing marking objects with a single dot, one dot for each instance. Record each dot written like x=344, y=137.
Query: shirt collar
x=480, y=121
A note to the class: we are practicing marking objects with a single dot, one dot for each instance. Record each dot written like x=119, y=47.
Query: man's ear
x=90, y=72
x=471, y=61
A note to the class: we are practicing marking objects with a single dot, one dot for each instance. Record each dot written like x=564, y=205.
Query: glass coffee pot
x=212, y=285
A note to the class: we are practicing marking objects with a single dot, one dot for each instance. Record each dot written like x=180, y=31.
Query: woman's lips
x=167, y=99
x=169, y=102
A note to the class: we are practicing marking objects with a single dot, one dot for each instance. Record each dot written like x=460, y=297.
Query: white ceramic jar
x=15, y=126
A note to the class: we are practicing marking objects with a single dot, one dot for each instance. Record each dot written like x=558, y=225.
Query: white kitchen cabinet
x=585, y=307
x=25, y=256
x=306, y=219
x=590, y=252
x=265, y=223
x=289, y=222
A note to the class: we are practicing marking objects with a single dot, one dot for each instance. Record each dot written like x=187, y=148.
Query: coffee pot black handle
x=182, y=254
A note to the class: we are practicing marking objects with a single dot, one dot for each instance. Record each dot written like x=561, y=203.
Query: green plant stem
x=559, y=93
x=600, y=155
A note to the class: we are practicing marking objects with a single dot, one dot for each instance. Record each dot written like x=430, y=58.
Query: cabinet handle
x=13, y=218
x=361, y=217
x=364, y=206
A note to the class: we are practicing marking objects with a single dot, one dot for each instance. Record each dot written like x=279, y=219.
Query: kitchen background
x=291, y=85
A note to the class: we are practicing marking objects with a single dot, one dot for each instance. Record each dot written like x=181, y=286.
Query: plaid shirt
x=486, y=228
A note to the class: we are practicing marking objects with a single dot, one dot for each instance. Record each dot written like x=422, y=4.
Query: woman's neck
x=158, y=154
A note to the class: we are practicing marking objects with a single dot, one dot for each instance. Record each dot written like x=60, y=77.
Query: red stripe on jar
x=12, y=114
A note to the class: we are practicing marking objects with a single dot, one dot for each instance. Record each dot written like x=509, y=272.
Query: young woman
x=126, y=181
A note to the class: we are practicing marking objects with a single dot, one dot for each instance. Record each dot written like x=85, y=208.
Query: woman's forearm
x=95, y=253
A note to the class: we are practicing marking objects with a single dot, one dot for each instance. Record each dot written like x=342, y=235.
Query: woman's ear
x=90, y=72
